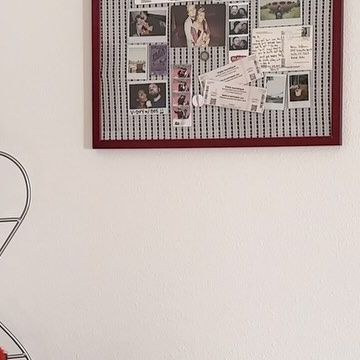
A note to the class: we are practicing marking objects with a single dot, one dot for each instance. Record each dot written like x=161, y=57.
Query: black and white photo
x=239, y=27
x=275, y=85
x=239, y=42
x=239, y=11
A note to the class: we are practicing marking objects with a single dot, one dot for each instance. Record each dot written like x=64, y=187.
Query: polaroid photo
x=148, y=97
x=159, y=59
x=276, y=91
x=299, y=90
x=280, y=13
x=198, y=25
x=147, y=25
x=239, y=11
x=137, y=62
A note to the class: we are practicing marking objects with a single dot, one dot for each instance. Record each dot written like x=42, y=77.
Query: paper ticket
x=240, y=72
x=240, y=97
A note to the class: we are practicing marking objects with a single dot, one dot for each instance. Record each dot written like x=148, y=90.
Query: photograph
x=180, y=99
x=181, y=85
x=198, y=25
x=239, y=43
x=299, y=90
x=181, y=116
x=239, y=11
x=137, y=62
x=237, y=27
x=148, y=97
x=181, y=72
x=280, y=13
x=147, y=25
x=276, y=91
x=158, y=59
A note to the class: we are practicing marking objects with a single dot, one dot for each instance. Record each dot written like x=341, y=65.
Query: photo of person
x=280, y=13
x=239, y=43
x=147, y=96
x=238, y=27
x=181, y=72
x=137, y=62
x=198, y=25
x=181, y=85
x=238, y=11
x=181, y=99
x=181, y=113
x=299, y=90
x=147, y=25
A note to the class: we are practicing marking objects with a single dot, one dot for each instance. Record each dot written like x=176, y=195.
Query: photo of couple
x=147, y=95
x=147, y=25
x=198, y=25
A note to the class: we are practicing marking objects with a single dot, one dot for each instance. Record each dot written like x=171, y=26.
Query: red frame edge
x=337, y=97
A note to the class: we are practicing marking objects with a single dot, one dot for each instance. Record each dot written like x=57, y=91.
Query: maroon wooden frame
x=334, y=139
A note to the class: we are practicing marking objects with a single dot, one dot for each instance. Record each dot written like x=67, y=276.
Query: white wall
x=179, y=254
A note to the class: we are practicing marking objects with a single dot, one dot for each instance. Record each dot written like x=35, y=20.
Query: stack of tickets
x=226, y=86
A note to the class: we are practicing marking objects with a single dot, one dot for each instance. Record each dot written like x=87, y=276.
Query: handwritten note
x=284, y=48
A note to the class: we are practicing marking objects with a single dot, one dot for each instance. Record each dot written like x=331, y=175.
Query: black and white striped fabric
x=211, y=122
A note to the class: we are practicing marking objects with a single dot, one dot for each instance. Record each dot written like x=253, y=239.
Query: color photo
x=198, y=25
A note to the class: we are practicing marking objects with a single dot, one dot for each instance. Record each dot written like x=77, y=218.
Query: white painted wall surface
x=250, y=254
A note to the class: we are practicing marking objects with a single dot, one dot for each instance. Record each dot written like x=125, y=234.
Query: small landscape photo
x=280, y=13
x=137, y=62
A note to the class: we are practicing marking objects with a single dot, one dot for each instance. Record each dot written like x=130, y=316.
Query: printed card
x=284, y=48
x=239, y=72
x=240, y=97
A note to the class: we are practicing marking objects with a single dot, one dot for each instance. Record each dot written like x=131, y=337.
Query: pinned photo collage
x=281, y=48
x=147, y=57
x=181, y=95
x=238, y=31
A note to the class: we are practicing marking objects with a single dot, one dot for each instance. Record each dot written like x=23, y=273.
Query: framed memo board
x=149, y=57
